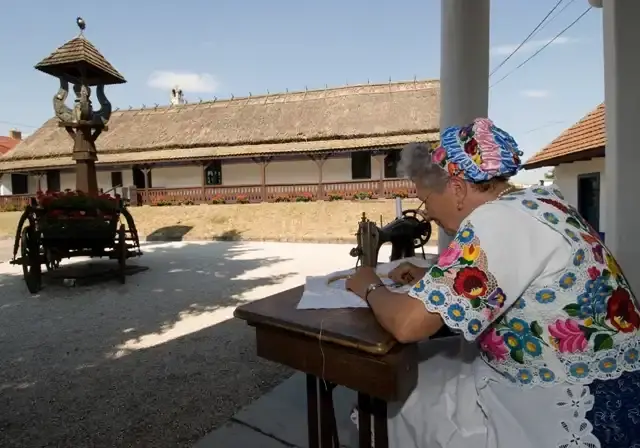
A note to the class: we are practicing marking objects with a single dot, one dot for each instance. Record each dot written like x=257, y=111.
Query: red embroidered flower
x=621, y=311
x=594, y=273
x=559, y=205
x=471, y=147
x=470, y=283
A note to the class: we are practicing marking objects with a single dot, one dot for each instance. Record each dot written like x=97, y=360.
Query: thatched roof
x=345, y=118
x=80, y=53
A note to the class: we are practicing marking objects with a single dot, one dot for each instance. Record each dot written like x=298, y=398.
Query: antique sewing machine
x=408, y=232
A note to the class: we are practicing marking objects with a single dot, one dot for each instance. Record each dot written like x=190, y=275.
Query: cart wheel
x=51, y=261
x=122, y=253
x=30, y=251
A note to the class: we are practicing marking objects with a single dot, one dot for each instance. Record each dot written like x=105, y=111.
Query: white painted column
x=464, y=67
x=622, y=161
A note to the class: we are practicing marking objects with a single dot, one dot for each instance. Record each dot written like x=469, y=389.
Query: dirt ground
x=155, y=363
x=289, y=222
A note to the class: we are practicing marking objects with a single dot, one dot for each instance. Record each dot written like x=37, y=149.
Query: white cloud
x=535, y=93
x=189, y=82
x=529, y=47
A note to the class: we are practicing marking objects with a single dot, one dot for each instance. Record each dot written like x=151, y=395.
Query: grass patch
x=320, y=221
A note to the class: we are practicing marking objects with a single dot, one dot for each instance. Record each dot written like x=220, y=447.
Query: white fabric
x=320, y=294
x=460, y=400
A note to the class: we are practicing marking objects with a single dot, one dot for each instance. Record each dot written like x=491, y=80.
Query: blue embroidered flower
x=546, y=375
x=525, y=376
x=419, y=287
x=579, y=369
x=567, y=280
x=553, y=219
x=546, y=296
x=594, y=298
x=571, y=234
x=512, y=340
x=519, y=326
x=466, y=235
x=436, y=298
x=578, y=257
x=520, y=303
x=541, y=191
x=608, y=365
x=557, y=193
x=631, y=356
x=532, y=205
x=474, y=327
x=532, y=345
x=456, y=312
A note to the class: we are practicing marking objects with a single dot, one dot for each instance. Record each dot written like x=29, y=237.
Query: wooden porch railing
x=387, y=188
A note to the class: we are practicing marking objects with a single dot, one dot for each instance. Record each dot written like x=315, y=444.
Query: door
x=138, y=178
x=53, y=180
x=589, y=198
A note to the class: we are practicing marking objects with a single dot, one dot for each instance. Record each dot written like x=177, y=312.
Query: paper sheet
x=320, y=294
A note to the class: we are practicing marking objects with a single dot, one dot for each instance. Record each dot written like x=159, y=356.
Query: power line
x=555, y=16
x=542, y=48
x=526, y=39
x=20, y=125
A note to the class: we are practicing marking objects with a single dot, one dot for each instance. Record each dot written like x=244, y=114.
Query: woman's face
x=441, y=207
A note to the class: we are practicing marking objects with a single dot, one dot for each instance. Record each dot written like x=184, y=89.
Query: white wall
x=303, y=171
x=5, y=184
x=566, y=178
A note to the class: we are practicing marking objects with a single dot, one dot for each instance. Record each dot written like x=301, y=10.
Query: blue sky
x=235, y=47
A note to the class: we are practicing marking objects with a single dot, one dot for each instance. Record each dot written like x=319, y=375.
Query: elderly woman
x=555, y=325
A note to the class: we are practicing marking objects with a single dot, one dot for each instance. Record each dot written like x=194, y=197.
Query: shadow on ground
x=156, y=362
x=169, y=233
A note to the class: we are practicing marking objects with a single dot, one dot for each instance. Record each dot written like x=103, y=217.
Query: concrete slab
x=234, y=435
x=283, y=413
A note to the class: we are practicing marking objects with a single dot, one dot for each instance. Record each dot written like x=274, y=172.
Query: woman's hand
x=407, y=273
x=361, y=280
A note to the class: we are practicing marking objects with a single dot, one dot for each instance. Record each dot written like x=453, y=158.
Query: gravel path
x=157, y=362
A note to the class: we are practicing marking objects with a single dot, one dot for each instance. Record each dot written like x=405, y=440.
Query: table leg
x=364, y=420
x=312, y=411
x=380, y=429
x=328, y=425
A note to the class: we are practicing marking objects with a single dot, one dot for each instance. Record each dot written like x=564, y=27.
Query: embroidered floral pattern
x=461, y=288
x=581, y=326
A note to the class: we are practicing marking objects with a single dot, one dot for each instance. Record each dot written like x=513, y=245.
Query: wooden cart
x=66, y=225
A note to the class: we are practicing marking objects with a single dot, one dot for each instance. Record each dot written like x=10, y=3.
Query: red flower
x=589, y=239
x=594, y=273
x=559, y=205
x=470, y=283
x=621, y=311
x=471, y=147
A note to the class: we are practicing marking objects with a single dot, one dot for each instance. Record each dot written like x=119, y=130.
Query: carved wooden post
x=320, y=159
x=263, y=162
x=80, y=63
x=203, y=169
x=379, y=157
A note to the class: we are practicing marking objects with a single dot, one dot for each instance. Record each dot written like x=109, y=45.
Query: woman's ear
x=459, y=188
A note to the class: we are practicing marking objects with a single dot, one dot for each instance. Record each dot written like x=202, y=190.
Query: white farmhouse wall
x=278, y=172
x=5, y=184
x=566, y=178
x=176, y=176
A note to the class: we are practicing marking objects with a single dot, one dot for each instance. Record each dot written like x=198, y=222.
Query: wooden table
x=344, y=347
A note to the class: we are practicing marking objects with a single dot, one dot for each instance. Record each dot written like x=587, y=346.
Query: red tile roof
x=7, y=144
x=584, y=140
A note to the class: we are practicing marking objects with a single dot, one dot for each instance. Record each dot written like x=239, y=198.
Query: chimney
x=15, y=134
x=176, y=96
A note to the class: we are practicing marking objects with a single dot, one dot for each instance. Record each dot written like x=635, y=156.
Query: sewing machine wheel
x=425, y=227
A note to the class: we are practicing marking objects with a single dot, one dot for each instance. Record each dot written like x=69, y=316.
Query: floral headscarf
x=477, y=152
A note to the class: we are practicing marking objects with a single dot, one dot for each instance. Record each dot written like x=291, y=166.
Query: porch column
x=464, y=67
x=622, y=97
x=379, y=158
